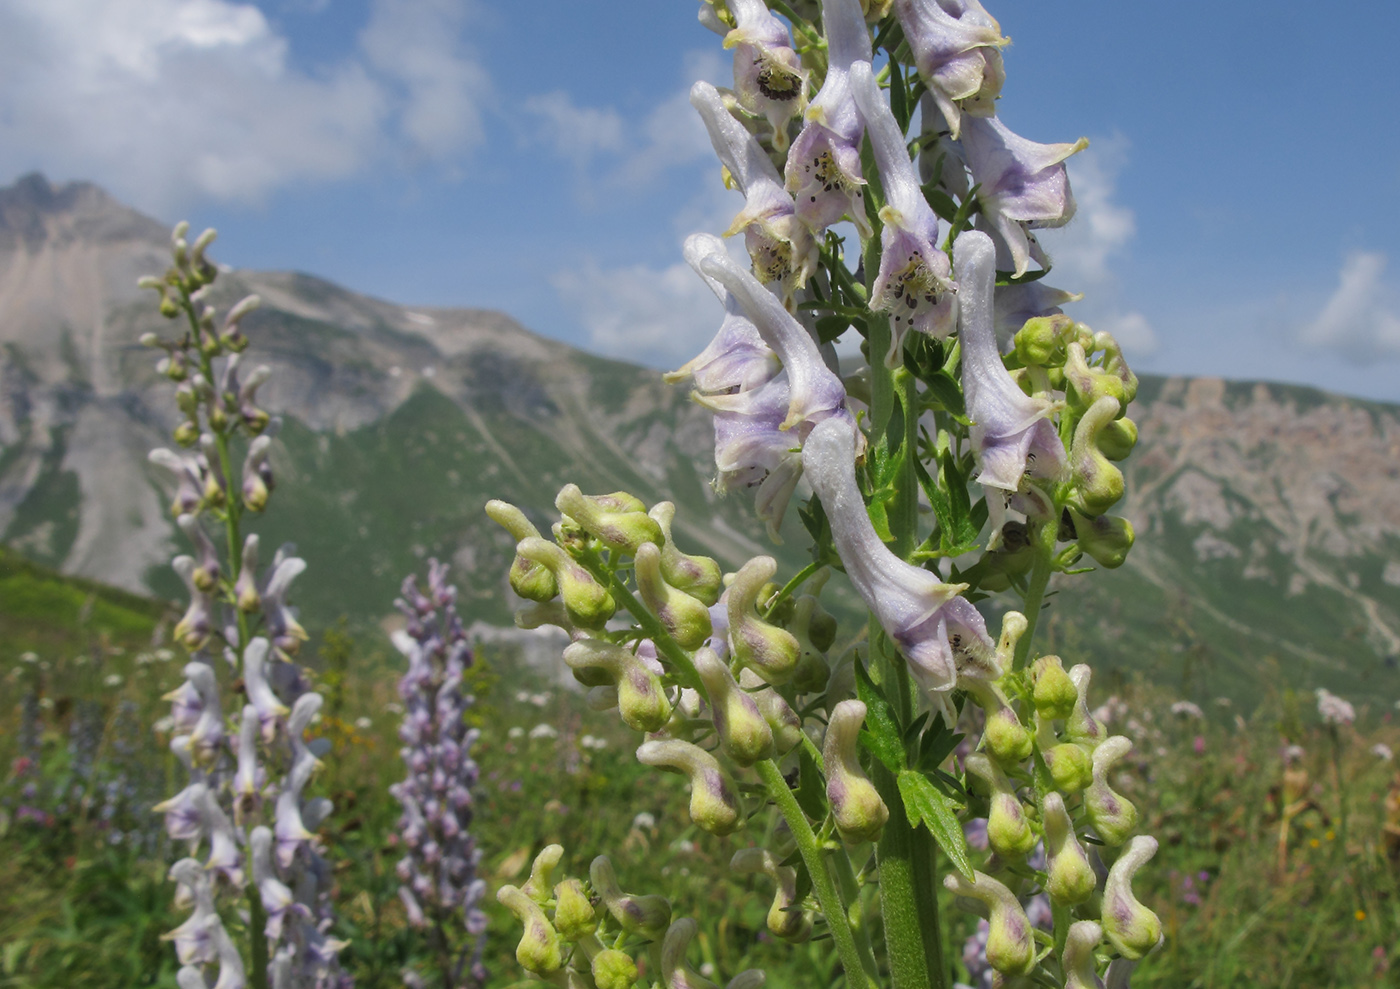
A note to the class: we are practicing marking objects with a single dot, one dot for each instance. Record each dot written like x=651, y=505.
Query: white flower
x=1187, y=709
x=644, y=821
x=1332, y=709
x=363, y=723
x=28, y=657
x=1382, y=752
x=515, y=732
x=539, y=700
x=543, y=730
x=165, y=655
x=522, y=697
x=112, y=679
x=593, y=742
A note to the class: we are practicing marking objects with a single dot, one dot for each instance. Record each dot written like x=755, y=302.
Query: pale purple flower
x=283, y=629
x=941, y=635
x=1012, y=435
x=912, y=284
x=438, y=871
x=956, y=46
x=1022, y=186
x=780, y=245
x=197, y=624
x=1014, y=304
x=768, y=75
x=823, y=164
x=190, y=471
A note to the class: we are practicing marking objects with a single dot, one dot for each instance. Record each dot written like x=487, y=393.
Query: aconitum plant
x=968, y=459
x=244, y=808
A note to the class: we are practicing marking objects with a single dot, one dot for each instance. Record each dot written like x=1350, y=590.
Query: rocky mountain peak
x=34, y=211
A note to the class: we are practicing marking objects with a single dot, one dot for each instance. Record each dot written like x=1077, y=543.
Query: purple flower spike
x=768, y=75
x=1011, y=434
x=823, y=164
x=912, y=284
x=956, y=46
x=438, y=871
x=780, y=245
x=940, y=633
x=1022, y=186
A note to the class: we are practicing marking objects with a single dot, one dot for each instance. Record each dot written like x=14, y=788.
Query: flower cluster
x=440, y=887
x=245, y=804
x=1014, y=455
x=588, y=932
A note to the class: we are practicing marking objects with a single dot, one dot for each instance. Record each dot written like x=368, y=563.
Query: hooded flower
x=753, y=451
x=823, y=164
x=956, y=46
x=912, y=285
x=780, y=245
x=736, y=359
x=1011, y=434
x=940, y=633
x=768, y=75
x=283, y=629
x=1022, y=186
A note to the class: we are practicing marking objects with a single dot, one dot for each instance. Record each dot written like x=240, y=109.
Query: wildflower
x=768, y=75
x=940, y=633
x=1382, y=752
x=823, y=164
x=1022, y=185
x=1012, y=435
x=1187, y=710
x=1332, y=709
x=112, y=680
x=543, y=730
x=912, y=284
x=956, y=46
x=780, y=245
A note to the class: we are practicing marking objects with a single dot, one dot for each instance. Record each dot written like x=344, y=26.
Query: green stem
x=257, y=947
x=827, y=896
x=685, y=667
x=1043, y=543
x=791, y=586
x=904, y=513
x=840, y=864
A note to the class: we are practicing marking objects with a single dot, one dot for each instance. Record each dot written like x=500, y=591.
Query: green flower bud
x=698, y=576
x=539, y=948
x=1077, y=959
x=532, y=581
x=1106, y=538
x=548, y=613
x=1010, y=944
x=1117, y=439
x=644, y=915
x=769, y=650
x=675, y=973
x=1085, y=385
x=1008, y=831
x=1013, y=626
x=1112, y=815
x=714, y=800
x=538, y=885
x=781, y=718
x=641, y=698
x=1054, y=691
x=1081, y=726
x=860, y=813
x=812, y=672
x=785, y=917
x=169, y=308
x=686, y=619
x=613, y=969
x=1004, y=736
x=1096, y=484
x=587, y=602
x=1071, y=878
x=622, y=529
x=749, y=978
x=1041, y=341
x=1070, y=766
x=1114, y=363
x=1131, y=928
x=187, y=433
x=744, y=735
x=573, y=914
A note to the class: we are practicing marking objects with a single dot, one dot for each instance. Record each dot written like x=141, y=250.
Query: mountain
x=1268, y=516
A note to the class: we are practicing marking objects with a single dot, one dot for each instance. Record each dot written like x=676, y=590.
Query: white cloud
x=1083, y=252
x=1361, y=320
x=172, y=101
x=574, y=131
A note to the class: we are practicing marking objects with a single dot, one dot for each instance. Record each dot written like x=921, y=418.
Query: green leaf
x=899, y=97
x=942, y=387
x=879, y=518
x=811, y=789
x=880, y=736
x=831, y=327
x=925, y=804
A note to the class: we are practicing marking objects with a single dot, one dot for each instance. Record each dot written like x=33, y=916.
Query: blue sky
x=1237, y=205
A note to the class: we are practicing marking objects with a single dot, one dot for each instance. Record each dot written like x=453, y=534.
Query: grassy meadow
x=1268, y=874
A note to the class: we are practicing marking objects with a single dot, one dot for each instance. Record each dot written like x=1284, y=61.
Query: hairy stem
x=827, y=895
